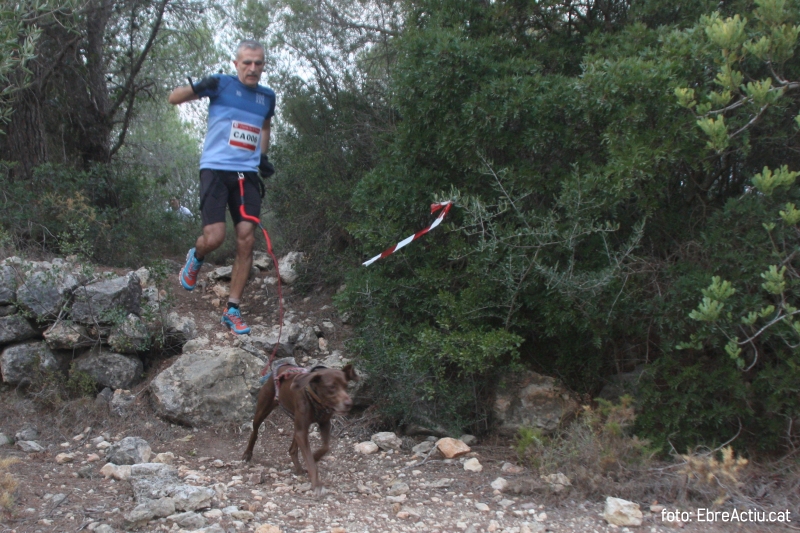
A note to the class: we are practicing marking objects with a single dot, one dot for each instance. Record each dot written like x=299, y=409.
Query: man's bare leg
x=212, y=238
x=245, y=239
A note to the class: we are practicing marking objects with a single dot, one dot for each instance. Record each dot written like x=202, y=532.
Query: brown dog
x=313, y=396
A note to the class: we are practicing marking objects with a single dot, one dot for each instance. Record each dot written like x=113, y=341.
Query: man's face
x=249, y=66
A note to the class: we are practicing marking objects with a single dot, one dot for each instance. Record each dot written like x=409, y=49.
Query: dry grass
x=595, y=452
x=721, y=476
x=8, y=485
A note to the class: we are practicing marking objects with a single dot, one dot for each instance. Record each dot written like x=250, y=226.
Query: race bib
x=244, y=136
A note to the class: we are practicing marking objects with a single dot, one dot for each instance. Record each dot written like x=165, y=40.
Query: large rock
x=287, y=266
x=45, y=293
x=21, y=363
x=208, y=387
x=621, y=512
x=452, y=448
x=66, y=335
x=8, y=285
x=262, y=340
x=129, y=451
x=15, y=328
x=307, y=340
x=534, y=401
x=109, y=369
x=130, y=336
x=180, y=329
x=103, y=302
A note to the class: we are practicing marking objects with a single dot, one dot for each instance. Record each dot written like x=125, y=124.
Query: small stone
x=500, y=484
x=510, y=468
x=387, y=440
x=268, y=528
x=482, y=507
x=397, y=489
x=423, y=447
x=29, y=446
x=65, y=458
x=366, y=448
x=27, y=433
x=166, y=458
x=469, y=440
x=621, y=512
x=452, y=448
x=296, y=513
x=473, y=465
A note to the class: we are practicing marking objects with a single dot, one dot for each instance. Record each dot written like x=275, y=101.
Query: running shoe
x=233, y=319
x=189, y=271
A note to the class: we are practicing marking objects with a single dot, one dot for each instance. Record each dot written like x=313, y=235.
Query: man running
x=239, y=116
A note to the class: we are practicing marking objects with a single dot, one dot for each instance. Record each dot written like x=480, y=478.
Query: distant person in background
x=176, y=207
x=240, y=114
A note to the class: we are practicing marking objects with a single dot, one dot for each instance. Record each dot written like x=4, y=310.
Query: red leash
x=257, y=222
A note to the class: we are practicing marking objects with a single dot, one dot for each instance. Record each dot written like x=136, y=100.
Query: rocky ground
x=61, y=488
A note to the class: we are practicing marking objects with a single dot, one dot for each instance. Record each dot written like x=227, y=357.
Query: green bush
x=109, y=214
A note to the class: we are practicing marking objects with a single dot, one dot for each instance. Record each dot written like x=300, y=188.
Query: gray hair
x=249, y=44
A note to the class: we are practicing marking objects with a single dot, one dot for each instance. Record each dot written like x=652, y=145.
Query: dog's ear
x=350, y=373
x=301, y=381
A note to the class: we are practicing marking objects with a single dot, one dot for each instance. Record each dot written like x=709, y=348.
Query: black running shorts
x=220, y=189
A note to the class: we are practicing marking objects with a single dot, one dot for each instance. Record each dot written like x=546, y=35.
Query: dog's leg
x=264, y=406
x=301, y=438
x=325, y=433
x=293, y=454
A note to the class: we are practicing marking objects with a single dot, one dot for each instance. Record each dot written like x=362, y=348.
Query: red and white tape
x=443, y=206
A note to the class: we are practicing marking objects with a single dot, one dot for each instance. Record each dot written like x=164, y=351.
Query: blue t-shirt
x=236, y=115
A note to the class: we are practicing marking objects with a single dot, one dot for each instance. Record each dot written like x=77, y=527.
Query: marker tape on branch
x=443, y=206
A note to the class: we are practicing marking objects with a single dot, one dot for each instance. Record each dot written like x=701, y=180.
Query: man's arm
x=266, y=129
x=182, y=94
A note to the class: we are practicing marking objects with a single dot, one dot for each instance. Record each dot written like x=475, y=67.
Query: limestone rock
x=100, y=302
x=500, y=484
x=423, y=447
x=452, y=448
x=130, y=336
x=109, y=369
x=15, y=328
x=287, y=266
x=66, y=335
x=387, y=440
x=366, y=448
x=8, y=285
x=473, y=465
x=621, y=512
x=30, y=446
x=207, y=387
x=21, y=363
x=45, y=293
x=129, y=451
x=534, y=401
x=179, y=328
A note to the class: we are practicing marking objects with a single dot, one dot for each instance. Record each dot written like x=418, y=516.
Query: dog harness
x=285, y=369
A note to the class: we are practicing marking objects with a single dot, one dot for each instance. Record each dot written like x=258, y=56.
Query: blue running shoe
x=189, y=271
x=233, y=319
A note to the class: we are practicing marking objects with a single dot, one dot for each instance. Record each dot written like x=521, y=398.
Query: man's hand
x=209, y=83
x=265, y=168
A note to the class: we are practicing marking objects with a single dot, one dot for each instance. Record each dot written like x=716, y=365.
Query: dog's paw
x=320, y=491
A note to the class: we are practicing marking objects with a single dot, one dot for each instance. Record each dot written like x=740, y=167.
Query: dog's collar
x=315, y=400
